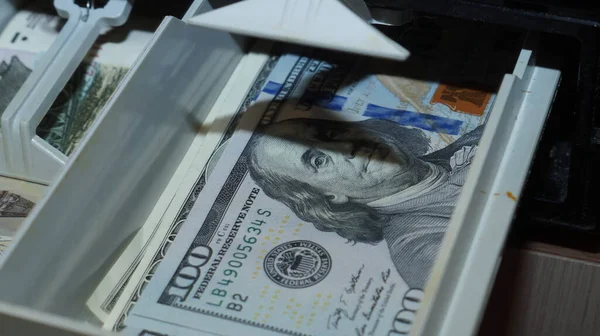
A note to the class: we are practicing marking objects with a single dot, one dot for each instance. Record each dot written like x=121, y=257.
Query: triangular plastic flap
x=324, y=24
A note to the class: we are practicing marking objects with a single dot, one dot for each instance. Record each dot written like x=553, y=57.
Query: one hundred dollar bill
x=326, y=210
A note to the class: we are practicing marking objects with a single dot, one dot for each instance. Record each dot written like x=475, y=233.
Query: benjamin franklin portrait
x=372, y=182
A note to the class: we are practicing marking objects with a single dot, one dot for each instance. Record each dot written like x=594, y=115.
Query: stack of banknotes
x=23, y=41
x=320, y=206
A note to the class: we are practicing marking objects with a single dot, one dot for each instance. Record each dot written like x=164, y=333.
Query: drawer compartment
x=139, y=153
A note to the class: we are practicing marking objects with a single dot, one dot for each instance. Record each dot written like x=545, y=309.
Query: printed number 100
x=405, y=318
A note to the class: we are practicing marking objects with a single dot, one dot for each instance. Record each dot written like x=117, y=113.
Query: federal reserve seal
x=297, y=264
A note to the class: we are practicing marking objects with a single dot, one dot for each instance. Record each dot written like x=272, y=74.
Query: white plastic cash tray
x=123, y=166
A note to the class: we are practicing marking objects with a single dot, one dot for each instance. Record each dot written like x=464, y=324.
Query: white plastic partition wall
x=117, y=174
x=457, y=292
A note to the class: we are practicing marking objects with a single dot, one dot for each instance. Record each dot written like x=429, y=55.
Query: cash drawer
x=171, y=107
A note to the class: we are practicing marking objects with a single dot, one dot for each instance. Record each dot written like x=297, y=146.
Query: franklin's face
x=345, y=161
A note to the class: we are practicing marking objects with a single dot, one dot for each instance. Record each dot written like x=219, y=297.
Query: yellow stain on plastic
x=511, y=196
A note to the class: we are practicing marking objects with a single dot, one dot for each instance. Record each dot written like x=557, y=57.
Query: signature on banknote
x=354, y=279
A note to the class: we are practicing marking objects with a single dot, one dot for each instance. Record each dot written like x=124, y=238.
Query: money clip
x=28, y=156
x=341, y=25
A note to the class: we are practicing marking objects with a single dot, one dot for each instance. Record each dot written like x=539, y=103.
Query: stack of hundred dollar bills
x=323, y=205
x=22, y=42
